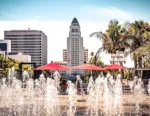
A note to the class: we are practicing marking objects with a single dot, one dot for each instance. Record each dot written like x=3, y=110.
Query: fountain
x=79, y=88
x=71, y=90
x=138, y=93
x=57, y=77
x=41, y=97
x=25, y=77
x=148, y=87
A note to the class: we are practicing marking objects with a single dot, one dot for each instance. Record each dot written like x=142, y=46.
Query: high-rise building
x=85, y=51
x=75, y=47
x=29, y=42
x=85, y=54
x=64, y=55
x=5, y=45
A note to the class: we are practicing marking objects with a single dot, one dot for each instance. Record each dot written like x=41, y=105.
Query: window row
x=75, y=35
x=74, y=30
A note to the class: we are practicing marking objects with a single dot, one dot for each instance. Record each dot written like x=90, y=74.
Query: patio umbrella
x=88, y=67
x=52, y=66
x=115, y=66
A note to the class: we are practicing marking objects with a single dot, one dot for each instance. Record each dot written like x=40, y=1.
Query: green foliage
x=96, y=61
x=134, y=37
x=9, y=63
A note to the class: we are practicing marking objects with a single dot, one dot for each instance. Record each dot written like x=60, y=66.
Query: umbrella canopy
x=52, y=66
x=88, y=67
x=115, y=66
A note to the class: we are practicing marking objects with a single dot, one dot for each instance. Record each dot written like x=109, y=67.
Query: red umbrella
x=115, y=66
x=53, y=66
x=88, y=67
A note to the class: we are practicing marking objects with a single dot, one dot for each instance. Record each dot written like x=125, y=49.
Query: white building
x=64, y=55
x=20, y=57
x=75, y=47
x=85, y=54
x=85, y=51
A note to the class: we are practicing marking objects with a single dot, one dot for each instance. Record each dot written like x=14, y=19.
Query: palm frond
x=98, y=35
x=127, y=25
x=99, y=51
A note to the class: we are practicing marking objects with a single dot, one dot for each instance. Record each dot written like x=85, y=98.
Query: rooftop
x=75, y=22
x=60, y=62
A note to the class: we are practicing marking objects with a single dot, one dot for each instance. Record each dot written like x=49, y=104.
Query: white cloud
x=57, y=33
x=108, y=13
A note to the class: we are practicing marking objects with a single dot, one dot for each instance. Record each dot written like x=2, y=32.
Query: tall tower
x=75, y=47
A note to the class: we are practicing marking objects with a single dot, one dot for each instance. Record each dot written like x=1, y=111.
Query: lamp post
x=118, y=58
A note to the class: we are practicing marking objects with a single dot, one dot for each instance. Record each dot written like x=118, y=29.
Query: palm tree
x=111, y=38
x=95, y=61
x=138, y=37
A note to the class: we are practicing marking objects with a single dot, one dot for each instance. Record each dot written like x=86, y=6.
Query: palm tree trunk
x=122, y=72
x=139, y=62
x=135, y=65
x=139, y=65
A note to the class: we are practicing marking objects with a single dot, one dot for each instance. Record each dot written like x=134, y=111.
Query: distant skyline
x=54, y=19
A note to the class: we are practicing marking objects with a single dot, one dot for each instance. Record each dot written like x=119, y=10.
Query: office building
x=75, y=47
x=5, y=45
x=64, y=55
x=29, y=42
x=85, y=53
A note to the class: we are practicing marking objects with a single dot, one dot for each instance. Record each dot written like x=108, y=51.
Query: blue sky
x=54, y=17
x=66, y=9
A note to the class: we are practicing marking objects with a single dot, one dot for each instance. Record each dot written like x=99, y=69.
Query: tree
x=9, y=63
x=138, y=36
x=111, y=38
x=96, y=61
x=133, y=37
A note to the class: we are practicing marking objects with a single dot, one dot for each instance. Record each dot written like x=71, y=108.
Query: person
x=63, y=85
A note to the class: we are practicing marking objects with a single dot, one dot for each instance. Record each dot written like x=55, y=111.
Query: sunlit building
x=75, y=50
x=29, y=42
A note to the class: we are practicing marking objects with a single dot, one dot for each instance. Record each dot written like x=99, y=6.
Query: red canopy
x=52, y=66
x=115, y=66
x=88, y=67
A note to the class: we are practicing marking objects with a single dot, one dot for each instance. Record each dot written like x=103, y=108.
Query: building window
x=76, y=30
x=72, y=30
